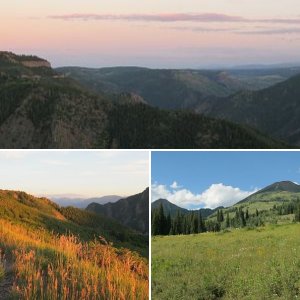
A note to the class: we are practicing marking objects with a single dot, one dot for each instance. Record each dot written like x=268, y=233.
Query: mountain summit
x=278, y=191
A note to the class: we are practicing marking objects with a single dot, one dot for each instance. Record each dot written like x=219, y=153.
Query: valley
x=134, y=108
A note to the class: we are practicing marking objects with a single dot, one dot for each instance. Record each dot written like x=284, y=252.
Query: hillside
x=278, y=191
x=176, y=89
x=40, y=213
x=132, y=211
x=51, y=111
x=274, y=111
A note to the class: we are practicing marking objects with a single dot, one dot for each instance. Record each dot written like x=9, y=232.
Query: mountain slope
x=177, y=89
x=275, y=110
x=278, y=191
x=67, y=253
x=32, y=212
x=47, y=110
x=132, y=211
x=168, y=89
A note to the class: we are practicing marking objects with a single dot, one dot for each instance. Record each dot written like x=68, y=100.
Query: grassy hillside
x=261, y=263
x=48, y=266
x=34, y=213
x=49, y=252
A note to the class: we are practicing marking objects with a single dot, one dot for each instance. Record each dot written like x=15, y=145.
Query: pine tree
x=221, y=216
x=247, y=214
x=227, y=220
x=297, y=214
x=195, y=224
x=218, y=215
x=155, y=223
x=168, y=224
x=162, y=220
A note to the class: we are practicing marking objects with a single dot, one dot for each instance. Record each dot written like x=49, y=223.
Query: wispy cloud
x=177, y=17
x=263, y=31
x=272, y=31
x=174, y=17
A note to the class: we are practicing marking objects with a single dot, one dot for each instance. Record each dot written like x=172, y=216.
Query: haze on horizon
x=171, y=34
x=83, y=174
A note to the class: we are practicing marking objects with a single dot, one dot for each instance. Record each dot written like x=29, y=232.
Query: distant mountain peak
x=276, y=187
x=287, y=186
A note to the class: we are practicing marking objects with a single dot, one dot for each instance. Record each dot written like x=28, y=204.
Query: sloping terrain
x=177, y=89
x=49, y=252
x=48, y=110
x=274, y=111
x=132, y=211
x=36, y=213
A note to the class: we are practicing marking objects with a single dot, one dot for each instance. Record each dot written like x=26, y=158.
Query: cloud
x=272, y=31
x=176, y=17
x=265, y=31
x=216, y=195
x=175, y=185
x=173, y=17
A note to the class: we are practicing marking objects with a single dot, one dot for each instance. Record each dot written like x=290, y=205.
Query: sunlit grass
x=262, y=263
x=50, y=266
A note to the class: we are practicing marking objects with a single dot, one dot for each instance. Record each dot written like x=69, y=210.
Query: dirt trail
x=7, y=282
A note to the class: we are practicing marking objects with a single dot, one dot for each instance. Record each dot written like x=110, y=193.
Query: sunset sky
x=75, y=173
x=164, y=33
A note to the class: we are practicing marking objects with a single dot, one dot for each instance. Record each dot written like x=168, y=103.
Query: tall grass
x=62, y=267
x=262, y=263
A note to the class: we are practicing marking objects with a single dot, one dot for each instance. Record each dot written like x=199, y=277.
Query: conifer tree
x=227, y=220
x=168, y=224
x=221, y=216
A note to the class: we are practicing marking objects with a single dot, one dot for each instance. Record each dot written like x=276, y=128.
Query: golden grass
x=49, y=266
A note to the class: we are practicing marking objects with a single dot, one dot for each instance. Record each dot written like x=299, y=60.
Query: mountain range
x=265, y=199
x=172, y=209
x=46, y=108
x=80, y=202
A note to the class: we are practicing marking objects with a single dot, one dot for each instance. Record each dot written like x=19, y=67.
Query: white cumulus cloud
x=175, y=185
x=216, y=195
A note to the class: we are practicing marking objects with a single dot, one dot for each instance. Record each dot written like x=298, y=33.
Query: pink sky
x=165, y=33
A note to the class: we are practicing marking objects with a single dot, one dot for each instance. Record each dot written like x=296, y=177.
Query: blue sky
x=75, y=173
x=210, y=179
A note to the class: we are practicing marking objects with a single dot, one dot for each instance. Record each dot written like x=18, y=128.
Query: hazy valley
x=143, y=108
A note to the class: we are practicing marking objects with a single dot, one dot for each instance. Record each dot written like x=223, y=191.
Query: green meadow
x=259, y=263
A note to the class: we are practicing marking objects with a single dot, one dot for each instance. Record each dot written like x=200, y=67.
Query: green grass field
x=262, y=263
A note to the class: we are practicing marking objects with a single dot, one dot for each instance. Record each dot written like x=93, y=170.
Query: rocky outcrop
x=36, y=64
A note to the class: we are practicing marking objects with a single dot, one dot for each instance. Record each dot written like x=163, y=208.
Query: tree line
x=193, y=222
